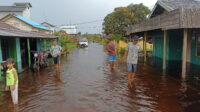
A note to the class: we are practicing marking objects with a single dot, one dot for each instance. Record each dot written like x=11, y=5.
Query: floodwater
x=87, y=85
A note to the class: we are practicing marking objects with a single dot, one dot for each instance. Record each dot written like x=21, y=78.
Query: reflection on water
x=86, y=84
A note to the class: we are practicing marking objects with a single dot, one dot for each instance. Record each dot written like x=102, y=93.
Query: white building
x=71, y=30
x=21, y=9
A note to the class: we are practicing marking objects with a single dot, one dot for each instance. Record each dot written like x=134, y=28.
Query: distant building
x=25, y=24
x=71, y=30
x=50, y=26
x=21, y=9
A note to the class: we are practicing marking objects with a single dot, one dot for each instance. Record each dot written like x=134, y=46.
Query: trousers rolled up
x=14, y=94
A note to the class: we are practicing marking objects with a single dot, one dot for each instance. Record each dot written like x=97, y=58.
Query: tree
x=64, y=38
x=122, y=17
x=79, y=33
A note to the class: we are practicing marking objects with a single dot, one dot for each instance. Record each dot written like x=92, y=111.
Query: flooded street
x=87, y=85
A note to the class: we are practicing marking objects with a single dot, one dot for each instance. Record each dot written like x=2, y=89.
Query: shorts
x=131, y=67
x=112, y=58
x=56, y=60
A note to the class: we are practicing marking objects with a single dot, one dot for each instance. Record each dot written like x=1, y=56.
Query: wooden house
x=18, y=44
x=174, y=28
x=25, y=24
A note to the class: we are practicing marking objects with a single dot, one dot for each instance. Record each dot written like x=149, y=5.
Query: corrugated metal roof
x=11, y=9
x=9, y=31
x=32, y=23
x=175, y=4
x=45, y=23
x=170, y=5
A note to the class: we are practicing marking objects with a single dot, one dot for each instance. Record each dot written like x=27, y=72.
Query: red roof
x=7, y=30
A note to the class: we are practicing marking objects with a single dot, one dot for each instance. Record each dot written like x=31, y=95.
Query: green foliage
x=93, y=37
x=65, y=40
x=122, y=17
x=104, y=42
x=118, y=37
x=79, y=33
x=121, y=51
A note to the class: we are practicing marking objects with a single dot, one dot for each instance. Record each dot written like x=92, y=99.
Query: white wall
x=69, y=29
x=26, y=13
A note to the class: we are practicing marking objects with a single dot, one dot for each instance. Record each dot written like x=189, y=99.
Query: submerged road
x=86, y=85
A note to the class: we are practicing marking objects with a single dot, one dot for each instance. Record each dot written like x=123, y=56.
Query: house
x=50, y=26
x=71, y=30
x=21, y=9
x=25, y=24
x=18, y=44
x=174, y=28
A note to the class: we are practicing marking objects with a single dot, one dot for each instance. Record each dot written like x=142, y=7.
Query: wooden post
x=164, y=49
x=45, y=44
x=184, y=53
x=29, y=53
x=38, y=44
x=144, y=47
x=1, y=57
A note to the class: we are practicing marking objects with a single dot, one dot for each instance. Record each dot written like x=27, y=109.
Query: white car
x=83, y=43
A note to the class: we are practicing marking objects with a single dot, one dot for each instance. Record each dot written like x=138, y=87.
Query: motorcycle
x=43, y=56
x=40, y=60
x=36, y=64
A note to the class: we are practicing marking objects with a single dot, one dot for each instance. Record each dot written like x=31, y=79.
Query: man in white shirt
x=131, y=58
x=56, y=51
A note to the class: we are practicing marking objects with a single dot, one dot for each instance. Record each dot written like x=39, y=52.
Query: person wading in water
x=56, y=51
x=131, y=58
x=111, y=53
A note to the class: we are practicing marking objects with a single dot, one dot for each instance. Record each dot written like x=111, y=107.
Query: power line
x=88, y=22
x=90, y=27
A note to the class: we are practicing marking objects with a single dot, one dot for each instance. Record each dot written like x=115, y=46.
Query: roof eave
x=163, y=5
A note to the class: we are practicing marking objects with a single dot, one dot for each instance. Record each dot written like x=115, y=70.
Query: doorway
x=24, y=53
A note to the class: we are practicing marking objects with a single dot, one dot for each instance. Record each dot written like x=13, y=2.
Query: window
x=198, y=45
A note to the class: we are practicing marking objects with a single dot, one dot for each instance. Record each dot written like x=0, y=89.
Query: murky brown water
x=87, y=85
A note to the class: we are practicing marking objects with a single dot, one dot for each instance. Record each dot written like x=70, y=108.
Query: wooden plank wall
x=179, y=18
x=190, y=18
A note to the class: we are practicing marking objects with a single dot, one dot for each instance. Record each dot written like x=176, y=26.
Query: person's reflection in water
x=58, y=80
x=113, y=75
x=12, y=108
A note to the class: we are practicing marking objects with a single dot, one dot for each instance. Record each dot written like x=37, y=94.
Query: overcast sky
x=65, y=12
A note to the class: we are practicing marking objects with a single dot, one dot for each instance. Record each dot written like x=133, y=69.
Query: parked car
x=83, y=43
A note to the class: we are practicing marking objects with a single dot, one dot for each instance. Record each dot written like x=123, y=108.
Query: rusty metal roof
x=176, y=4
x=10, y=31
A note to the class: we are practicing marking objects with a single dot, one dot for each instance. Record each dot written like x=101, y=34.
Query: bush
x=118, y=37
x=65, y=40
x=122, y=51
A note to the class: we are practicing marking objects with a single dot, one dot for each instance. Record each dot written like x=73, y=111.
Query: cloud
x=63, y=12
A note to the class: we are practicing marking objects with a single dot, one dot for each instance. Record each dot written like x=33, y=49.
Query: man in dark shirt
x=111, y=53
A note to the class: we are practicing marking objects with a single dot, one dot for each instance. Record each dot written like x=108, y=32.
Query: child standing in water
x=12, y=80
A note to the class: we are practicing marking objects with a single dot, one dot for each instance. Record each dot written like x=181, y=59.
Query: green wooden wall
x=174, y=51
x=14, y=51
x=195, y=60
x=46, y=44
x=158, y=51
